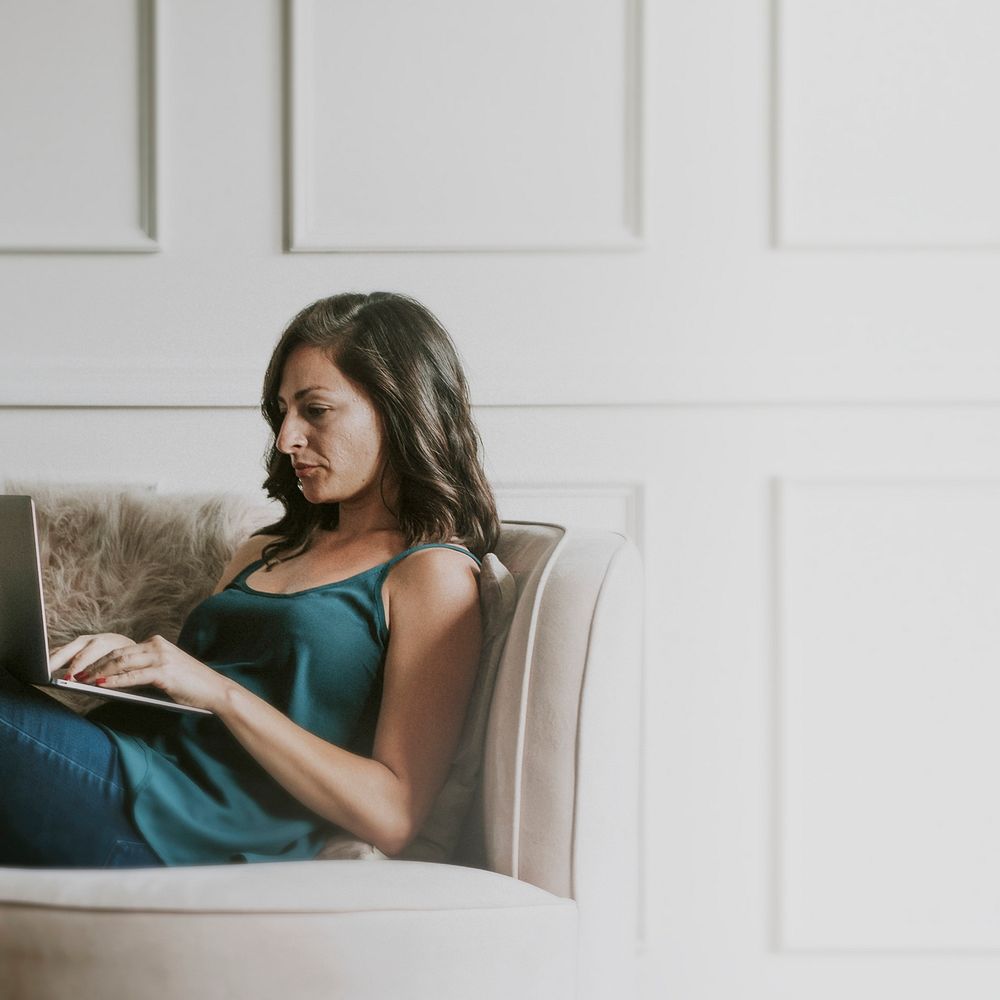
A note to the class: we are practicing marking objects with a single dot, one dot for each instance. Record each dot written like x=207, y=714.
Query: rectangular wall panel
x=452, y=126
x=884, y=122
x=77, y=115
x=888, y=629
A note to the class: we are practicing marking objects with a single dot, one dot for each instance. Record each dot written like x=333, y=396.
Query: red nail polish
x=100, y=680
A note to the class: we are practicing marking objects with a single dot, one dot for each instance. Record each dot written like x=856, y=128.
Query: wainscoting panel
x=78, y=119
x=881, y=112
x=475, y=137
x=888, y=818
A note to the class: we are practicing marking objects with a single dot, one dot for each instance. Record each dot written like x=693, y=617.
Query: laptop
x=23, y=637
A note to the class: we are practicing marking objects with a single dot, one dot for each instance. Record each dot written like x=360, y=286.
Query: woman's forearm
x=357, y=793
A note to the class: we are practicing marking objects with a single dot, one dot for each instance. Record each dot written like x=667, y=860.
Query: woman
x=337, y=652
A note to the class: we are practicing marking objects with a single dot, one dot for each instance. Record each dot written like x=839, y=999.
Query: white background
x=725, y=276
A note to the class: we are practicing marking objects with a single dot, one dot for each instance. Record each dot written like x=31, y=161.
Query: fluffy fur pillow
x=130, y=561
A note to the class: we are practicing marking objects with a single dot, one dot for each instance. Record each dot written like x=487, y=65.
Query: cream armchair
x=538, y=901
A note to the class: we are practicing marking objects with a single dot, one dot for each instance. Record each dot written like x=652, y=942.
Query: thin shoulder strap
x=245, y=572
x=429, y=545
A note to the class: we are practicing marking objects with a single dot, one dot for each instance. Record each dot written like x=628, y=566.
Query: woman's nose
x=289, y=436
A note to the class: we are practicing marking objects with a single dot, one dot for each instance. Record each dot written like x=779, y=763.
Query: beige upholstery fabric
x=309, y=930
x=560, y=785
x=556, y=807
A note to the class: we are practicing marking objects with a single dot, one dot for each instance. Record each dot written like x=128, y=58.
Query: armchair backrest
x=559, y=797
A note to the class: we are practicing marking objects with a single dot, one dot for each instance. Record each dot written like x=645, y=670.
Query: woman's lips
x=305, y=470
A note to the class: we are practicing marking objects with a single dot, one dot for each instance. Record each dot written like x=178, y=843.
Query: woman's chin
x=315, y=496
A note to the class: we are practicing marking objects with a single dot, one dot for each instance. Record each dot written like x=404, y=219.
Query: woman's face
x=330, y=430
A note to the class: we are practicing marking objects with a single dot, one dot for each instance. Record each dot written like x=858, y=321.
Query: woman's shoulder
x=429, y=579
x=434, y=566
x=247, y=553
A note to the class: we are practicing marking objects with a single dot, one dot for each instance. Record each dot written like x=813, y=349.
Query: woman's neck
x=356, y=521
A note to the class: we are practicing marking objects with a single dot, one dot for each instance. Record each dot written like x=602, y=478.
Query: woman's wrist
x=227, y=702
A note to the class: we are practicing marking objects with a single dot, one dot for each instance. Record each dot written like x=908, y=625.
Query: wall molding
x=780, y=489
x=146, y=239
x=149, y=119
x=300, y=180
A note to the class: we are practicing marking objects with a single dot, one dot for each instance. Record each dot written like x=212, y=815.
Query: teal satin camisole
x=317, y=655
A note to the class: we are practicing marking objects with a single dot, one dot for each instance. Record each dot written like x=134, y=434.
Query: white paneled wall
x=725, y=278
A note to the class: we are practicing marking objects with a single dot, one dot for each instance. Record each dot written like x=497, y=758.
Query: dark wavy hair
x=398, y=352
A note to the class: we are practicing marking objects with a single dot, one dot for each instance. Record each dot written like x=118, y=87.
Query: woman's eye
x=313, y=411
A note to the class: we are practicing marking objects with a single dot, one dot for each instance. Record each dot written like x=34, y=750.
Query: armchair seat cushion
x=310, y=929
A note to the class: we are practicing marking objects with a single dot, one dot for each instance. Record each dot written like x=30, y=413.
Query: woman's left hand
x=162, y=665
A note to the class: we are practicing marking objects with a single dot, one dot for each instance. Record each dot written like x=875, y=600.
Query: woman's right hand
x=84, y=650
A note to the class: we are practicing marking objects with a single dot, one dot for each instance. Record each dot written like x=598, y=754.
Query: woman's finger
x=89, y=647
x=128, y=678
x=117, y=660
x=62, y=654
x=85, y=658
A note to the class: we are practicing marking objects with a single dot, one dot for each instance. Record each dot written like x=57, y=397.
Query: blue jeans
x=62, y=792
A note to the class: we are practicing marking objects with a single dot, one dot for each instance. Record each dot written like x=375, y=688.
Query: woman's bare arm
x=429, y=673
